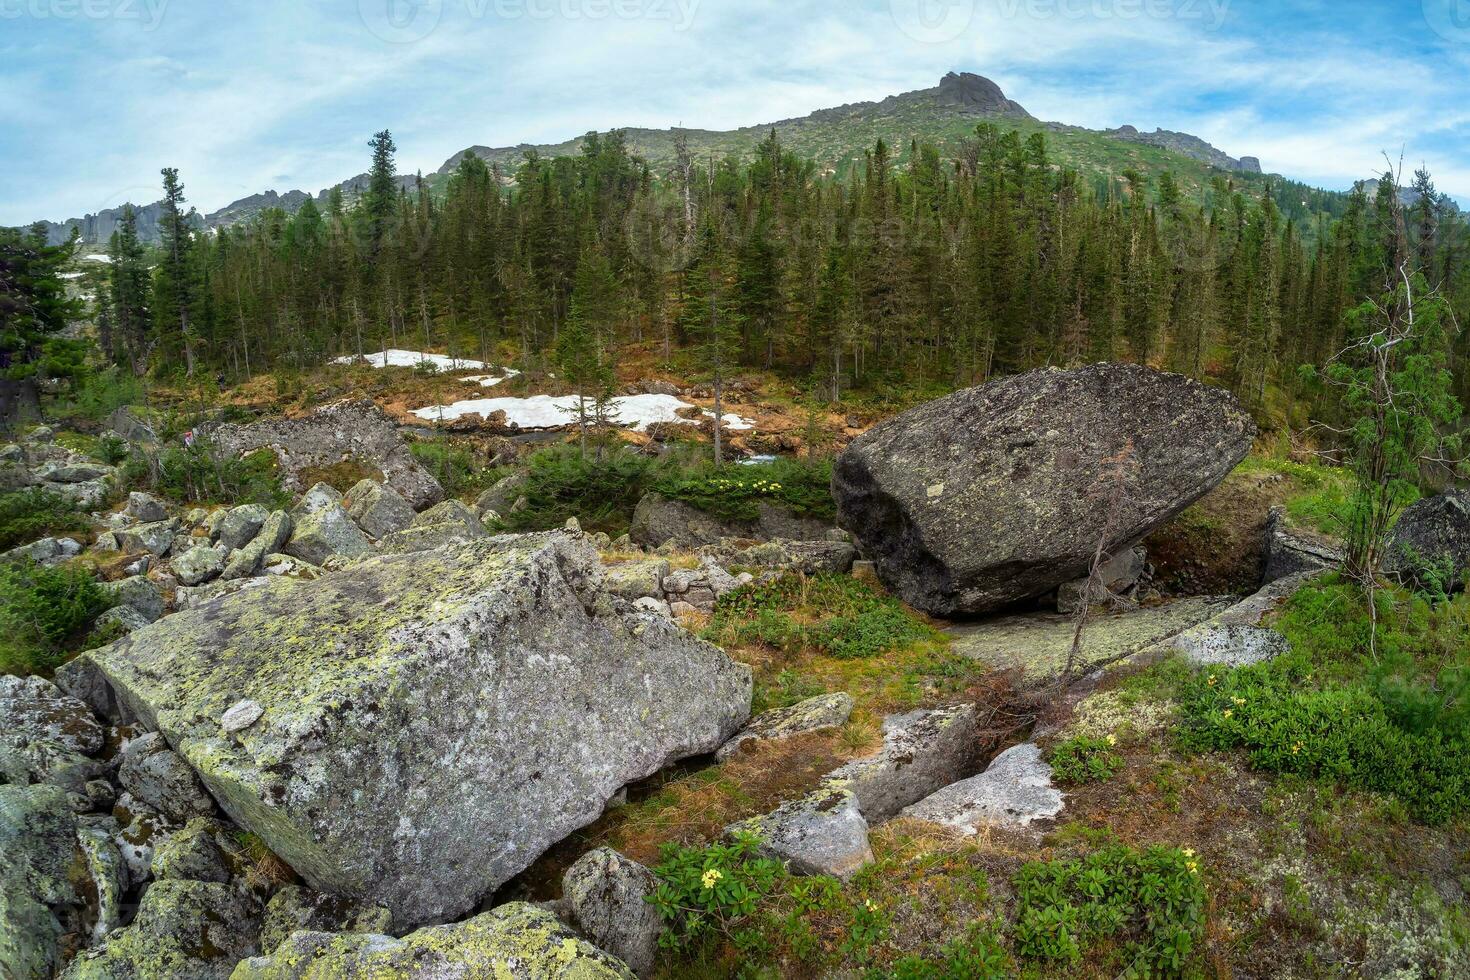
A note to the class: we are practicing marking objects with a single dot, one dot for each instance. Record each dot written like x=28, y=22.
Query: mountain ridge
x=944, y=113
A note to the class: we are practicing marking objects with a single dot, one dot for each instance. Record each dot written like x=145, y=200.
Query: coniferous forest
x=941, y=274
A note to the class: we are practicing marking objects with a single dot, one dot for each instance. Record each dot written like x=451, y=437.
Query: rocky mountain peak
x=975, y=91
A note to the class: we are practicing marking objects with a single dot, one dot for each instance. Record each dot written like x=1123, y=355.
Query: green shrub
x=45, y=614
x=1343, y=732
x=835, y=615
x=980, y=957
x=101, y=393
x=736, y=493
x=199, y=475
x=707, y=892
x=1152, y=901
x=1085, y=760
x=458, y=471
x=27, y=515
x=601, y=493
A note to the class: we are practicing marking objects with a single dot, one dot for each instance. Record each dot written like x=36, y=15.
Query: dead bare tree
x=1112, y=486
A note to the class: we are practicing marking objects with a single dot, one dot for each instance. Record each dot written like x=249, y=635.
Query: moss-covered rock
x=431, y=723
x=42, y=878
x=514, y=942
x=185, y=930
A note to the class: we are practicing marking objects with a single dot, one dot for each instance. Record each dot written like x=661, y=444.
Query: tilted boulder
x=514, y=942
x=1431, y=543
x=274, y=534
x=349, y=430
x=378, y=509
x=1289, y=551
x=432, y=722
x=326, y=534
x=240, y=525
x=1002, y=493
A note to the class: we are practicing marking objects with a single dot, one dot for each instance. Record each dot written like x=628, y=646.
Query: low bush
x=456, y=468
x=736, y=493
x=1150, y=902
x=1291, y=723
x=705, y=893
x=198, y=475
x=601, y=493
x=1085, y=760
x=100, y=393
x=27, y=515
x=981, y=956
x=45, y=614
x=833, y=615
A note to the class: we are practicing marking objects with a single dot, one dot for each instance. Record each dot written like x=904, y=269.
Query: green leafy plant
x=197, y=474
x=980, y=956
x=45, y=614
x=1151, y=901
x=1346, y=732
x=708, y=892
x=27, y=515
x=1085, y=760
x=600, y=492
x=835, y=615
x=456, y=468
x=736, y=493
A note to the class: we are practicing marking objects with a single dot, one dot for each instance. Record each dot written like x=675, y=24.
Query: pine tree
x=174, y=286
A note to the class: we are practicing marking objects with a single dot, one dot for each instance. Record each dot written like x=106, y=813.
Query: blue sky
x=249, y=95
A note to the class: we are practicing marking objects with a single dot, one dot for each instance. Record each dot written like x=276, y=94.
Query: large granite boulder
x=1002, y=493
x=325, y=534
x=514, y=942
x=1430, y=546
x=349, y=430
x=431, y=722
x=378, y=509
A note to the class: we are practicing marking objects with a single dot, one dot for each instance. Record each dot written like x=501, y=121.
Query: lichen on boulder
x=433, y=722
x=514, y=942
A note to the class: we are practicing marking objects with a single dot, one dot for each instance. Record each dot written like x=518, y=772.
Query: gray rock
x=806, y=557
x=240, y=525
x=1014, y=792
x=41, y=434
x=1118, y=576
x=191, y=854
x=200, y=564
x=155, y=538
x=657, y=607
x=120, y=620
x=514, y=942
x=1430, y=547
x=326, y=534
x=636, y=580
x=241, y=715
x=1231, y=645
x=1290, y=552
x=185, y=930
x=320, y=497
x=43, y=551
x=993, y=495
x=137, y=593
x=606, y=897
x=129, y=423
x=146, y=831
x=79, y=473
x=146, y=508
x=109, y=877
x=356, y=430
x=400, y=696
x=90, y=495
x=284, y=566
x=433, y=537
x=156, y=775
x=379, y=510
x=15, y=476
x=295, y=909
x=40, y=881
x=500, y=498
x=660, y=521
x=812, y=715
x=451, y=512
x=82, y=680
x=187, y=598
x=34, y=710
x=11, y=453
x=272, y=538
x=823, y=833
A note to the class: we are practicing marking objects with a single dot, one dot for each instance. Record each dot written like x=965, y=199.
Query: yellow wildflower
x=710, y=878
x=1112, y=740
x=1229, y=713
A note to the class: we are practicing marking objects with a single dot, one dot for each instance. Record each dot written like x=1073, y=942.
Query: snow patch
x=413, y=358
x=637, y=412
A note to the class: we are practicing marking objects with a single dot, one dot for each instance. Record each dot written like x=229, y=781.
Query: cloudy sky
x=248, y=95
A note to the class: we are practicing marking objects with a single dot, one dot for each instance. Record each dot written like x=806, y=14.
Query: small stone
x=146, y=508
x=606, y=896
x=241, y=716
x=812, y=715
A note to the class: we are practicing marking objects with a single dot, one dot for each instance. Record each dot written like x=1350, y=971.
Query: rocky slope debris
x=399, y=697
x=1002, y=493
